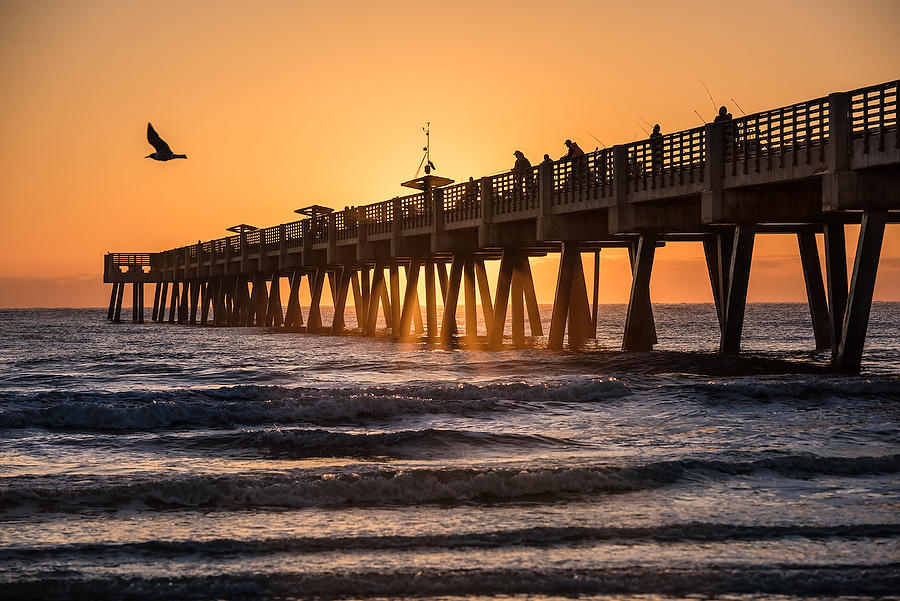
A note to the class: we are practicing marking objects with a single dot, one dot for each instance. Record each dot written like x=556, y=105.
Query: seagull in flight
x=163, y=152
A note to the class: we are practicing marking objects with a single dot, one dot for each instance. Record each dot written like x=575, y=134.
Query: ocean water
x=177, y=462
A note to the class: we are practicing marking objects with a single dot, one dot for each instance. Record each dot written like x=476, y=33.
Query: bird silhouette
x=163, y=152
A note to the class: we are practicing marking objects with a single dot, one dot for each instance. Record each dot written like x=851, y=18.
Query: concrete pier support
x=836, y=282
x=161, y=316
x=451, y=296
x=410, y=301
x=484, y=289
x=183, y=303
x=358, y=305
x=395, y=303
x=314, y=319
x=736, y=289
x=378, y=286
x=274, y=310
x=431, y=328
x=501, y=297
x=112, y=301
x=292, y=317
x=156, y=292
x=815, y=288
x=206, y=289
x=173, y=302
x=195, y=300
x=569, y=260
x=862, y=287
x=471, y=311
x=117, y=314
x=640, y=334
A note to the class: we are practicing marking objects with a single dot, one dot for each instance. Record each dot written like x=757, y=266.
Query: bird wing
x=158, y=143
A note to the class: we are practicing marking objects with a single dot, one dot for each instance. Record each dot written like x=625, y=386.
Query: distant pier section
x=804, y=169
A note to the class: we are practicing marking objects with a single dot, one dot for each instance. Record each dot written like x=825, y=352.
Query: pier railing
x=793, y=136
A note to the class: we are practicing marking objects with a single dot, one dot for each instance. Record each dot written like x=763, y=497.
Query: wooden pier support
x=736, y=289
x=815, y=288
x=640, y=331
x=862, y=287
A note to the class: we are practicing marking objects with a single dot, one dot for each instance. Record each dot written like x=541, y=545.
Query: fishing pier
x=805, y=169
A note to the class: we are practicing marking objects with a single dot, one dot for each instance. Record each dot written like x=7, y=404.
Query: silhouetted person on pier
x=547, y=160
x=471, y=196
x=576, y=155
x=163, y=152
x=723, y=115
x=523, y=172
x=656, y=149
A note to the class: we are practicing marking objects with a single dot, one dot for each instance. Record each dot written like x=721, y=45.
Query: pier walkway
x=803, y=169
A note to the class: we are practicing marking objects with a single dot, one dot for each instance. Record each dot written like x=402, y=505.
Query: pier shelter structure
x=803, y=169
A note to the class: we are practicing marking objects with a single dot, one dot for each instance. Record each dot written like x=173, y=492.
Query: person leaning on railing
x=523, y=173
x=576, y=155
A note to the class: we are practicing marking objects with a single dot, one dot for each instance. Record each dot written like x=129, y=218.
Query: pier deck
x=803, y=169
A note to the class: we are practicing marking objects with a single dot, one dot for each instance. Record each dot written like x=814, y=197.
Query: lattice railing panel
x=462, y=201
x=515, y=191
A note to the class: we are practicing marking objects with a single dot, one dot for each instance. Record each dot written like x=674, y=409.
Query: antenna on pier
x=427, y=181
x=426, y=158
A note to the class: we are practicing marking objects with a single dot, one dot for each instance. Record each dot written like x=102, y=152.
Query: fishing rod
x=739, y=106
x=701, y=117
x=708, y=93
x=642, y=127
x=596, y=138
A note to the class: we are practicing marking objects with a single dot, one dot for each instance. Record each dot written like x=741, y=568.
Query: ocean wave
x=401, y=487
x=825, y=581
x=529, y=537
x=300, y=443
x=260, y=405
x=803, y=391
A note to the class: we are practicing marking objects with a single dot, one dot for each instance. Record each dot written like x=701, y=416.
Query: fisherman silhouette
x=163, y=152
x=656, y=149
x=576, y=155
x=723, y=115
x=523, y=172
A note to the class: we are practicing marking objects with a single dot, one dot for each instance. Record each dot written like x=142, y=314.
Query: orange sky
x=284, y=104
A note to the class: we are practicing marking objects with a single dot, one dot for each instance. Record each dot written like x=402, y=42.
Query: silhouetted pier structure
x=803, y=169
